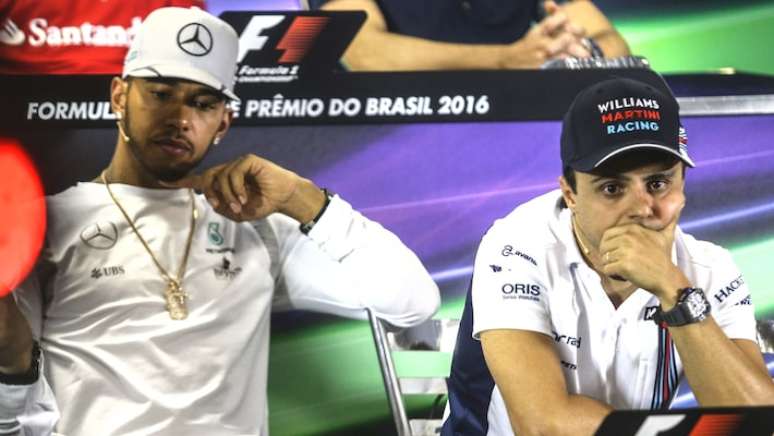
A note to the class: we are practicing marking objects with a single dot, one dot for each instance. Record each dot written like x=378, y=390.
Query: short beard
x=167, y=174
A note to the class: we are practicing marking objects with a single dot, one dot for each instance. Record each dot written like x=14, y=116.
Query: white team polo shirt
x=529, y=275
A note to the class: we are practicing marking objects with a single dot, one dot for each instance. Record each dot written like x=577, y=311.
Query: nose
x=180, y=117
x=641, y=205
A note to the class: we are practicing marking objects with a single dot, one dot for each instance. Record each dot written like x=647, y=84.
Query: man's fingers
x=559, y=45
x=550, y=7
x=553, y=24
x=223, y=185
x=211, y=196
x=238, y=179
x=575, y=29
x=578, y=50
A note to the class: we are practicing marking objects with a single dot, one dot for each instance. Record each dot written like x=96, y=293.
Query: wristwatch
x=692, y=306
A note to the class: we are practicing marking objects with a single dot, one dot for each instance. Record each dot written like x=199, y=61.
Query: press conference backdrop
x=438, y=186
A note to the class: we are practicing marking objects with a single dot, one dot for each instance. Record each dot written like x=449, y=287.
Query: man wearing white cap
x=590, y=298
x=149, y=311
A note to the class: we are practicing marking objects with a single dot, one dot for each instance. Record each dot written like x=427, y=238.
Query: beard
x=162, y=171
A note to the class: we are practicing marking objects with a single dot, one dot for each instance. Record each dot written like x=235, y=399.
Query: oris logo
x=521, y=291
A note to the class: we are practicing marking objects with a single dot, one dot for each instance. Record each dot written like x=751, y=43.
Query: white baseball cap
x=185, y=43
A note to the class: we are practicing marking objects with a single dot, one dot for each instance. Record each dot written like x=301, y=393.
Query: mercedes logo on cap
x=100, y=235
x=195, y=39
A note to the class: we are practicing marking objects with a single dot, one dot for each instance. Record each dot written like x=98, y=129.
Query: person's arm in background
x=377, y=49
x=536, y=395
x=26, y=404
x=15, y=338
x=597, y=27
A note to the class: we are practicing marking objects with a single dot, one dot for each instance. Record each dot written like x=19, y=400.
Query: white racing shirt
x=115, y=361
x=530, y=275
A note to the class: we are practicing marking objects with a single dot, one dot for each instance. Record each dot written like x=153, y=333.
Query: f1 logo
x=295, y=42
x=251, y=38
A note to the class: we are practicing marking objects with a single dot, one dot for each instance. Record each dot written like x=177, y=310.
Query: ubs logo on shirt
x=107, y=271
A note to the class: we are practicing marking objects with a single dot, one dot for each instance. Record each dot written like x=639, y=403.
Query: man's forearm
x=597, y=27
x=15, y=338
x=719, y=371
x=385, y=51
x=611, y=43
x=578, y=415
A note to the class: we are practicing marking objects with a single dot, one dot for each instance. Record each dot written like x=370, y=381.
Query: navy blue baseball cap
x=620, y=115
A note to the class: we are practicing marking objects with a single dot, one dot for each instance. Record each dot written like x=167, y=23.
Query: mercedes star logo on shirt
x=195, y=39
x=100, y=235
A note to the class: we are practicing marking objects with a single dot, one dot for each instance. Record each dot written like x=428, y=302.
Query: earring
x=216, y=141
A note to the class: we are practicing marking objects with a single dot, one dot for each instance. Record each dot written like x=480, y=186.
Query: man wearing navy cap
x=590, y=298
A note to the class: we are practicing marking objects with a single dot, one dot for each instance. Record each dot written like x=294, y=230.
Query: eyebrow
x=201, y=90
x=664, y=174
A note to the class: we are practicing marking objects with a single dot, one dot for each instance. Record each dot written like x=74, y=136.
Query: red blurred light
x=22, y=215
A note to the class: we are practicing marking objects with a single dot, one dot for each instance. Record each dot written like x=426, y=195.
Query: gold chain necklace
x=174, y=295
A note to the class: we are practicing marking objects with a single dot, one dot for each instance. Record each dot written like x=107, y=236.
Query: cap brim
x=598, y=159
x=182, y=72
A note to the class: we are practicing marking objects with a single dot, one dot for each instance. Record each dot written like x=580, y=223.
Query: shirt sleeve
x=348, y=263
x=509, y=291
x=730, y=298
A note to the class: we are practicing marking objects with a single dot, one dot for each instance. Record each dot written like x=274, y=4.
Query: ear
x=567, y=193
x=118, y=87
x=225, y=122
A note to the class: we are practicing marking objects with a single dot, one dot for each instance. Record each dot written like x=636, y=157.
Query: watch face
x=696, y=303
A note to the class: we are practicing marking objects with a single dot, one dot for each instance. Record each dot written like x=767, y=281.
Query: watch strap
x=29, y=377
x=692, y=307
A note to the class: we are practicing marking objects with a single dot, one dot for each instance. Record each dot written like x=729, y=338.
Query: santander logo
x=38, y=33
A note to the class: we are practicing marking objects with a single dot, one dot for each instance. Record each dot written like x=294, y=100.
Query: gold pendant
x=176, y=297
